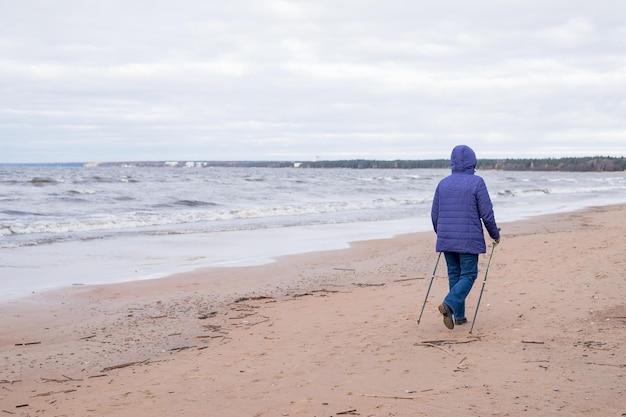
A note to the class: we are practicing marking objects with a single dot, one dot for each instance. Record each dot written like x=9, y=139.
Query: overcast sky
x=122, y=80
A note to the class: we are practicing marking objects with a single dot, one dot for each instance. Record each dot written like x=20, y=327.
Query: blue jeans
x=462, y=272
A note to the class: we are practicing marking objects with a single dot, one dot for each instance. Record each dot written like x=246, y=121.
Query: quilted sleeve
x=485, y=210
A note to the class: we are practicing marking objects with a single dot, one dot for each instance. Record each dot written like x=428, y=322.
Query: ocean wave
x=145, y=219
x=84, y=192
x=99, y=179
x=20, y=213
x=44, y=181
x=522, y=192
x=194, y=203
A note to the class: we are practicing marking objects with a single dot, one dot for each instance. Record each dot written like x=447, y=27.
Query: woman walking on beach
x=460, y=207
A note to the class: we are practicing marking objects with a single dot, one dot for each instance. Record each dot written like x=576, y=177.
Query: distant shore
x=573, y=164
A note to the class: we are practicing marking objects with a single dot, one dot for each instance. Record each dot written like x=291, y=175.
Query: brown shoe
x=462, y=320
x=448, y=316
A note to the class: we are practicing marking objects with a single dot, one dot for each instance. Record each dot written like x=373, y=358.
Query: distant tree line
x=584, y=164
x=376, y=164
x=580, y=164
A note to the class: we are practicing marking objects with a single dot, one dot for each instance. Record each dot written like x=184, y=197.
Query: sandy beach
x=335, y=333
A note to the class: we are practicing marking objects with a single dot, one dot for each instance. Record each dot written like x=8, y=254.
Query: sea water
x=67, y=225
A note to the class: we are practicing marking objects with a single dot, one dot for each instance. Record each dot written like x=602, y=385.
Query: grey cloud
x=292, y=79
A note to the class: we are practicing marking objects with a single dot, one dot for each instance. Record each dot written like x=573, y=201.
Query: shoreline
x=81, y=263
x=333, y=331
x=220, y=278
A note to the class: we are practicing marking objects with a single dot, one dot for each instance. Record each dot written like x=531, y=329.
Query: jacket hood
x=463, y=159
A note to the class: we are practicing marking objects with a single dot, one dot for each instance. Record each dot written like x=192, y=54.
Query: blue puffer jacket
x=461, y=201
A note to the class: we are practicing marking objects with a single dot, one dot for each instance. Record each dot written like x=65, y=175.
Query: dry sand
x=335, y=333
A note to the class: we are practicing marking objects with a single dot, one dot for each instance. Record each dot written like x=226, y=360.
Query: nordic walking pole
x=483, y=287
x=428, y=291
